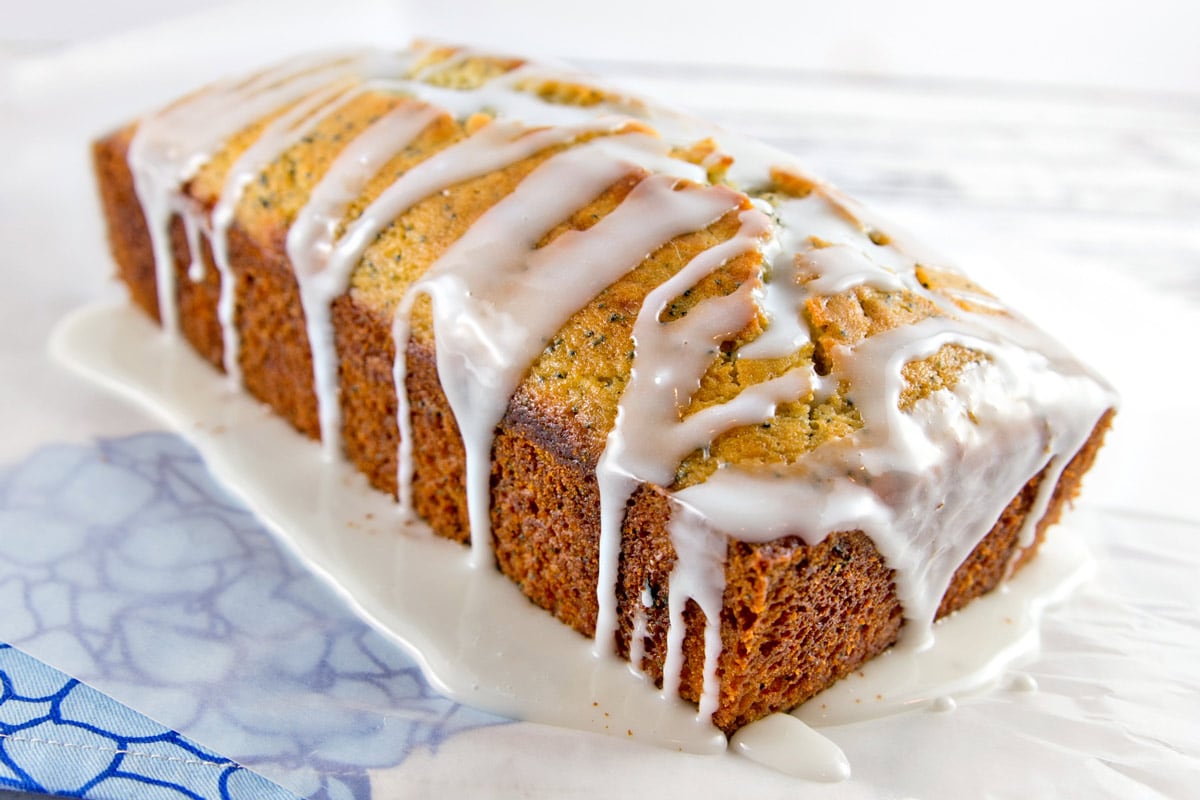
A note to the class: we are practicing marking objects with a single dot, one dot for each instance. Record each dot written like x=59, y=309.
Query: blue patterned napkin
x=123, y=563
x=59, y=736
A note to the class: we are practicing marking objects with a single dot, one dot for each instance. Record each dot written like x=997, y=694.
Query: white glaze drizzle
x=193, y=224
x=161, y=180
x=325, y=274
x=311, y=246
x=699, y=575
x=649, y=439
x=278, y=135
x=925, y=485
x=170, y=147
x=488, y=291
x=493, y=147
x=310, y=243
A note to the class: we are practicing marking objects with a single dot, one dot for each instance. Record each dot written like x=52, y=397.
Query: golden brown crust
x=128, y=237
x=197, y=299
x=795, y=617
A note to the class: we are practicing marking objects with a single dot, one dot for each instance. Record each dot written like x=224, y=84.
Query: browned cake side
x=795, y=617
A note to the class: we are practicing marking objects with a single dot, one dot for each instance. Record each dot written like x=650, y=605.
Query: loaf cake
x=694, y=402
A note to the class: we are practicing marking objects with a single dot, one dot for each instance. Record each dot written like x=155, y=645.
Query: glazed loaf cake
x=694, y=402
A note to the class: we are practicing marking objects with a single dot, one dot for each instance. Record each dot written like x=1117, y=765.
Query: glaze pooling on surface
x=460, y=623
x=925, y=483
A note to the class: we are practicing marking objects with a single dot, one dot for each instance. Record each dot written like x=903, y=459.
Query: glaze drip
x=312, y=237
x=488, y=291
x=170, y=147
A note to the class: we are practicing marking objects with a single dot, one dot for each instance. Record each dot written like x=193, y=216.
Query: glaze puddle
x=475, y=635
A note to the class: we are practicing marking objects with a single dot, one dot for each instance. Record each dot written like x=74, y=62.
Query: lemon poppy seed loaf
x=696, y=403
